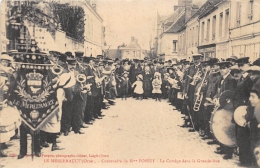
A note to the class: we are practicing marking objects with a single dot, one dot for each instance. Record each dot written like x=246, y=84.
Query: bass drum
x=222, y=127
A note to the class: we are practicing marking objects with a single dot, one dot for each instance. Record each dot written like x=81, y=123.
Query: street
x=132, y=133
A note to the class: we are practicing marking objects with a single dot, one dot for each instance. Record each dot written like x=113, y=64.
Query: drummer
x=227, y=82
x=241, y=98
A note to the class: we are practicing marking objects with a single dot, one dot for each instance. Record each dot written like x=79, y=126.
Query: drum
x=222, y=127
x=239, y=115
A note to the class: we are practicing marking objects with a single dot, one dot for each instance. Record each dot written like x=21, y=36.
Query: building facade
x=94, y=30
x=245, y=28
x=214, y=29
x=41, y=27
x=132, y=50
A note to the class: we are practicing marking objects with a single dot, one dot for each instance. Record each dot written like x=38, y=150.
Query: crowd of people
x=198, y=89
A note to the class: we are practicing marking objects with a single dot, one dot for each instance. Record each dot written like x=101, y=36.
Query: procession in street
x=67, y=101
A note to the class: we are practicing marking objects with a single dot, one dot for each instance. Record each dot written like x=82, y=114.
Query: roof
x=208, y=7
x=176, y=25
x=132, y=45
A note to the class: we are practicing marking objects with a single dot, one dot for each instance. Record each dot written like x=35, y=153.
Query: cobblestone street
x=135, y=131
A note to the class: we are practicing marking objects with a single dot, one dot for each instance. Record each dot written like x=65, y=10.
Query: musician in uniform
x=227, y=82
x=94, y=104
x=88, y=113
x=210, y=90
x=194, y=73
x=199, y=94
x=241, y=98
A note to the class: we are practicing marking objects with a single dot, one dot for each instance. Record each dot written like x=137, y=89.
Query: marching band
x=218, y=99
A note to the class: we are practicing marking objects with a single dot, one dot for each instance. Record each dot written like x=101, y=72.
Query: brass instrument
x=57, y=69
x=81, y=78
x=196, y=77
x=199, y=94
x=99, y=81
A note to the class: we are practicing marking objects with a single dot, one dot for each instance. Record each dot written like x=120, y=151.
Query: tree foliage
x=71, y=18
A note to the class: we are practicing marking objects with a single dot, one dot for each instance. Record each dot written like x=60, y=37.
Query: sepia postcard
x=129, y=83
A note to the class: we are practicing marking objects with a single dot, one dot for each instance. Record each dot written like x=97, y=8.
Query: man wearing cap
x=68, y=105
x=210, y=90
x=241, y=98
x=96, y=89
x=198, y=116
x=227, y=82
x=189, y=89
x=232, y=59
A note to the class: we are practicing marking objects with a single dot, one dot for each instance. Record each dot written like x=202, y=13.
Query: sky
x=124, y=19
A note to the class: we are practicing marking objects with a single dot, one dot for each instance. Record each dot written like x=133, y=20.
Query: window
x=250, y=9
x=220, y=24
x=214, y=27
x=238, y=17
x=197, y=30
x=180, y=43
x=174, y=42
x=183, y=41
x=202, y=31
x=191, y=34
x=227, y=22
x=208, y=29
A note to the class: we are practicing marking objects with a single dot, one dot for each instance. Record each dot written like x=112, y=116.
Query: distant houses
x=130, y=51
x=219, y=28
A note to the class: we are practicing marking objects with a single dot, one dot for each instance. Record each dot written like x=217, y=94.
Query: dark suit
x=95, y=99
x=229, y=83
x=241, y=97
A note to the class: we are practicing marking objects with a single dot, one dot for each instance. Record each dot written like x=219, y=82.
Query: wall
x=166, y=45
x=57, y=41
x=216, y=30
x=192, y=32
x=245, y=29
x=131, y=54
x=93, y=32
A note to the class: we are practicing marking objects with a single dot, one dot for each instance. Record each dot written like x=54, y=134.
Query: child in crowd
x=157, y=82
x=138, y=84
x=125, y=83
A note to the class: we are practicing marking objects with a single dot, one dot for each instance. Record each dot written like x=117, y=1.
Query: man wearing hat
x=210, y=91
x=96, y=89
x=241, y=98
x=232, y=59
x=67, y=106
x=227, y=82
x=189, y=89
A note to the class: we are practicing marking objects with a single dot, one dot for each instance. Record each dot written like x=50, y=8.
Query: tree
x=71, y=18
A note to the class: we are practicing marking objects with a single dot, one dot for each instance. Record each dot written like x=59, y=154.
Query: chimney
x=132, y=38
x=188, y=9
